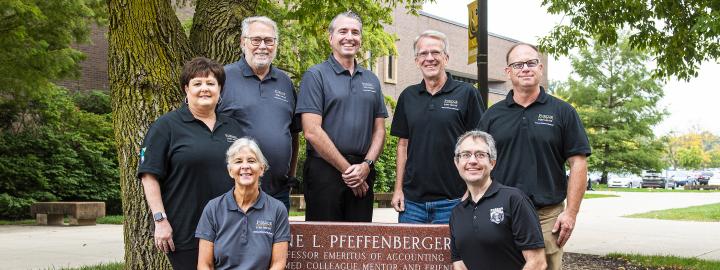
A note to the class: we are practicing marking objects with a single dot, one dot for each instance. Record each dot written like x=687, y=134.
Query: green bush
x=57, y=152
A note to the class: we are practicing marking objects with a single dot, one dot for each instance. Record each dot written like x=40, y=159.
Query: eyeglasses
x=479, y=155
x=530, y=63
x=423, y=55
x=255, y=41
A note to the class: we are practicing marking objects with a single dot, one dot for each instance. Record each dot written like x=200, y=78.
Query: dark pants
x=283, y=197
x=327, y=198
x=184, y=259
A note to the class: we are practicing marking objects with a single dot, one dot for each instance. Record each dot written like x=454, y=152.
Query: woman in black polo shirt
x=182, y=162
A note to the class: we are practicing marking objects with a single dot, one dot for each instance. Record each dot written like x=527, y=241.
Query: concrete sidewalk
x=600, y=229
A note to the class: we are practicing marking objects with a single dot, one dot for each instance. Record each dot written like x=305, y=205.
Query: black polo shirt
x=348, y=103
x=492, y=233
x=266, y=111
x=534, y=143
x=432, y=124
x=189, y=162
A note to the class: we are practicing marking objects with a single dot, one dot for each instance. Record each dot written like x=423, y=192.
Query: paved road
x=600, y=229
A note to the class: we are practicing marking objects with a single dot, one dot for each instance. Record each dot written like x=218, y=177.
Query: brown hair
x=201, y=67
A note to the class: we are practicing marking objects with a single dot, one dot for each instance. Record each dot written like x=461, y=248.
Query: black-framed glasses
x=479, y=155
x=423, y=55
x=255, y=41
x=529, y=63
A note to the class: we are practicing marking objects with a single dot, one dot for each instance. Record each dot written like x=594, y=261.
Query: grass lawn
x=667, y=261
x=708, y=212
x=595, y=196
x=604, y=187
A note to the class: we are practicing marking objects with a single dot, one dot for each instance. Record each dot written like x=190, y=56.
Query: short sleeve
x=484, y=123
x=380, y=109
x=154, y=152
x=575, y=139
x=282, y=225
x=474, y=109
x=207, y=225
x=525, y=223
x=311, y=98
x=454, y=252
x=399, y=127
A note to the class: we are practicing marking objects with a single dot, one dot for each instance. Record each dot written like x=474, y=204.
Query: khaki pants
x=553, y=253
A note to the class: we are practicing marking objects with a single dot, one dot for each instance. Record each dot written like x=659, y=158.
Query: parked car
x=655, y=179
x=624, y=182
x=704, y=177
x=714, y=180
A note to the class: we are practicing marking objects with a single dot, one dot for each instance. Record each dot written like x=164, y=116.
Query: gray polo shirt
x=348, y=103
x=243, y=240
x=266, y=111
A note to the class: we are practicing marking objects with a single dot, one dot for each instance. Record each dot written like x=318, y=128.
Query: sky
x=692, y=105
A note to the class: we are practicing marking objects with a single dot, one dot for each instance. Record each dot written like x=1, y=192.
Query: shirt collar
x=231, y=204
x=492, y=189
x=448, y=87
x=339, y=68
x=248, y=72
x=187, y=116
x=542, y=98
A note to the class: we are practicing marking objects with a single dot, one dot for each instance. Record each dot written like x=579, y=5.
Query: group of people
x=217, y=172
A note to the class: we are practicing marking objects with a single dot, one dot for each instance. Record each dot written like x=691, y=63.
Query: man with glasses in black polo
x=536, y=135
x=428, y=119
x=495, y=227
x=262, y=98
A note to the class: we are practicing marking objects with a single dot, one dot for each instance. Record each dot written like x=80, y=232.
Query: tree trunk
x=147, y=48
x=217, y=27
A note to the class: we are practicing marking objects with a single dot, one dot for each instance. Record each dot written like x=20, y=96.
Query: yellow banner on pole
x=472, y=29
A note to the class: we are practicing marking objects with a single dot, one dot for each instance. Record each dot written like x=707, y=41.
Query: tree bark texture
x=216, y=28
x=147, y=48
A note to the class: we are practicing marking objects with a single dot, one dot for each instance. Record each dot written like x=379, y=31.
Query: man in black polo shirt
x=343, y=111
x=496, y=226
x=428, y=119
x=261, y=97
x=536, y=134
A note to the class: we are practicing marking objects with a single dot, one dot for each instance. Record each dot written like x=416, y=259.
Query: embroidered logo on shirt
x=450, y=104
x=263, y=226
x=230, y=138
x=497, y=215
x=545, y=119
x=368, y=87
x=280, y=95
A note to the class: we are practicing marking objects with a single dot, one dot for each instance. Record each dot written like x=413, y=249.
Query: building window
x=391, y=69
x=464, y=79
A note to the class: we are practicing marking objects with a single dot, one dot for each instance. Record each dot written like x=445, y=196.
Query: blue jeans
x=435, y=212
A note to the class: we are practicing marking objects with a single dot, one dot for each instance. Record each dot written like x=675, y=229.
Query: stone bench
x=80, y=213
x=297, y=202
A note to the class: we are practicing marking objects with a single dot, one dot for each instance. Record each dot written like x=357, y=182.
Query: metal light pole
x=482, y=53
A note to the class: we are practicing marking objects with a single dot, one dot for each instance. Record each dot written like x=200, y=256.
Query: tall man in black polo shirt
x=343, y=111
x=262, y=98
x=428, y=119
x=536, y=134
x=496, y=226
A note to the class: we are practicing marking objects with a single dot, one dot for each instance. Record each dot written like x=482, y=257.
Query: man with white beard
x=262, y=98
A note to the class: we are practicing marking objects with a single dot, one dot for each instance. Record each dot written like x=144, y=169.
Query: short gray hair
x=346, y=14
x=477, y=134
x=246, y=142
x=436, y=35
x=260, y=19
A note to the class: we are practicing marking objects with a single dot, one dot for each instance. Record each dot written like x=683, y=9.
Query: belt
x=353, y=159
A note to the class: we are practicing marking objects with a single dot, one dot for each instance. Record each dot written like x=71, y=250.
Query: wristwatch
x=159, y=216
x=370, y=162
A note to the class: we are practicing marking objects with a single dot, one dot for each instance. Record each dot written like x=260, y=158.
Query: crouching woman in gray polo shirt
x=244, y=228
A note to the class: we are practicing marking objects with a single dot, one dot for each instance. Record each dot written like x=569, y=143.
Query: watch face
x=158, y=216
